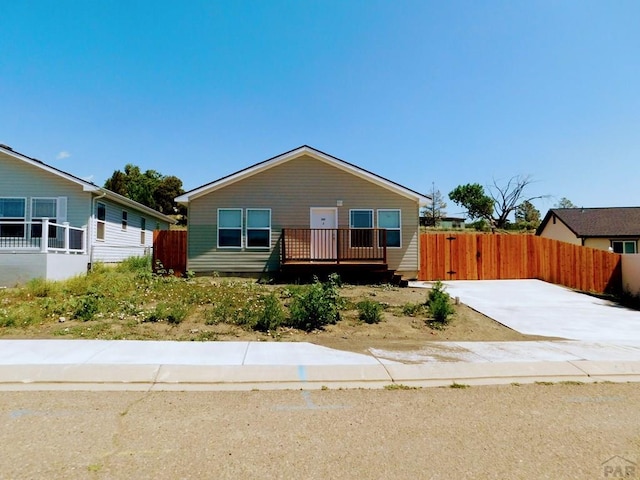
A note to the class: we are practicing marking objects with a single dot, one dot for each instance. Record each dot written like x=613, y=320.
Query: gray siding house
x=304, y=210
x=53, y=225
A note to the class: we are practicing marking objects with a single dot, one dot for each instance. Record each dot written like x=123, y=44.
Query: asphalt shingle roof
x=600, y=222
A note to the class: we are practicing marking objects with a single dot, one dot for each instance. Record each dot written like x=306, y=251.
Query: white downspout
x=92, y=225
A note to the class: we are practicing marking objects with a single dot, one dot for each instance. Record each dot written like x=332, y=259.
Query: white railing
x=42, y=236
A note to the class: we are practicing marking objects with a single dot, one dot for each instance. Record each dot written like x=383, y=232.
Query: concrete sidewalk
x=149, y=365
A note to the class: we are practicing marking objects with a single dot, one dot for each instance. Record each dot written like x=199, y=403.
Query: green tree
x=564, y=202
x=117, y=183
x=496, y=205
x=527, y=216
x=149, y=188
x=473, y=198
x=434, y=212
x=168, y=189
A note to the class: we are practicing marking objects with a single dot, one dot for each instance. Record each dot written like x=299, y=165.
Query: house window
x=143, y=230
x=101, y=216
x=361, y=223
x=258, y=228
x=624, y=246
x=44, y=208
x=12, y=210
x=125, y=219
x=229, y=227
x=390, y=220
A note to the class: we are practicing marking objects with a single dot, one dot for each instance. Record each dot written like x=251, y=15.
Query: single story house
x=54, y=225
x=304, y=211
x=444, y=222
x=612, y=228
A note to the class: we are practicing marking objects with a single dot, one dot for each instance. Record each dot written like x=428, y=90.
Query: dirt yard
x=397, y=330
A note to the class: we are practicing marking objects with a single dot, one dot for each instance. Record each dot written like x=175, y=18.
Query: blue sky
x=421, y=92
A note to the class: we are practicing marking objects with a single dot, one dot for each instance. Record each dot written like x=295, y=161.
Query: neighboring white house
x=54, y=225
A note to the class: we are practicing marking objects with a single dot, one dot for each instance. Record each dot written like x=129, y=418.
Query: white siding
x=119, y=244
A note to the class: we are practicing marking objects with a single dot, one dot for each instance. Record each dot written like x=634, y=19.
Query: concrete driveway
x=538, y=308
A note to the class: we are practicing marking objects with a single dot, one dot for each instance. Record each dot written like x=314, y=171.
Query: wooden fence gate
x=170, y=249
x=471, y=256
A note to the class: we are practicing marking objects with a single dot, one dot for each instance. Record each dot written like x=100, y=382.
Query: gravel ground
x=528, y=431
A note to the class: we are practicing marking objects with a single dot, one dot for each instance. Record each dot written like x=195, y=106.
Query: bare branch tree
x=507, y=197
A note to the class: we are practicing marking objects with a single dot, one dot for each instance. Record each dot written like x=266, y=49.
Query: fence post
x=384, y=243
x=44, y=237
x=66, y=237
x=284, y=246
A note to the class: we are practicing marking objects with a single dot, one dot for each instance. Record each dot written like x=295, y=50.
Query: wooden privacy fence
x=468, y=256
x=170, y=248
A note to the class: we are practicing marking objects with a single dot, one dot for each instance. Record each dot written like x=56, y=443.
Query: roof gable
x=294, y=154
x=597, y=222
x=86, y=186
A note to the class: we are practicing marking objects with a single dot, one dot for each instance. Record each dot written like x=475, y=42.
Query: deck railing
x=42, y=236
x=358, y=245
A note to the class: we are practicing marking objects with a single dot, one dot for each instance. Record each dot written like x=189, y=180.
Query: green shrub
x=6, y=319
x=270, y=315
x=39, y=287
x=369, y=311
x=316, y=305
x=439, y=304
x=171, y=313
x=412, y=309
x=86, y=307
x=135, y=264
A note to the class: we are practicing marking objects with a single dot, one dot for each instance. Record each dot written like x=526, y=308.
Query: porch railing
x=360, y=245
x=42, y=236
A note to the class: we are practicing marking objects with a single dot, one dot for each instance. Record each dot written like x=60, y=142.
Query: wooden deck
x=354, y=254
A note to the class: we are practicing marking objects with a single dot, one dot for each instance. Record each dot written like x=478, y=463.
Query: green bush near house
x=412, y=309
x=369, y=311
x=172, y=313
x=439, y=304
x=316, y=305
x=270, y=315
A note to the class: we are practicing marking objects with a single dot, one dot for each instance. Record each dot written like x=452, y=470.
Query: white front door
x=323, y=244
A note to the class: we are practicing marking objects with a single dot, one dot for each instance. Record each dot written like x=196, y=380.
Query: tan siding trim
x=290, y=190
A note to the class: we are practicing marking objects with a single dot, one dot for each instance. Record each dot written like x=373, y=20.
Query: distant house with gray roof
x=608, y=228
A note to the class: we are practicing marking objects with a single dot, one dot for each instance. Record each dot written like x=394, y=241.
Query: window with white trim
x=624, y=246
x=258, y=228
x=229, y=228
x=361, y=224
x=12, y=210
x=101, y=220
x=389, y=219
x=44, y=208
x=143, y=230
